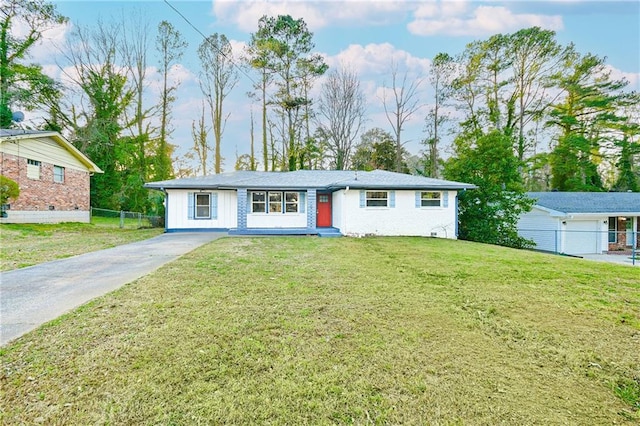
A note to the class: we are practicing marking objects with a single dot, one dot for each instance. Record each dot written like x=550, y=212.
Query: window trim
x=613, y=232
x=196, y=205
x=262, y=202
x=34, y=169
x=58, y=177
x=369, y=199
x=287, y=203
x=274, y=206
x=275, y=202
x=422, y=199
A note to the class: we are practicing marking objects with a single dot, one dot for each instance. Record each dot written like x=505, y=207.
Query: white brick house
x=318, y=202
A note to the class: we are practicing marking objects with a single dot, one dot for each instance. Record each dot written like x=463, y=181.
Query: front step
x=329, y=232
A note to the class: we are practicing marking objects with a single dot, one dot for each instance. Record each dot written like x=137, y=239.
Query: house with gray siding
x=582, y=222
x=313, y=202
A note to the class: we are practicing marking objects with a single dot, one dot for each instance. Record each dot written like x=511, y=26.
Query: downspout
x=343, y=213
x=457, y=220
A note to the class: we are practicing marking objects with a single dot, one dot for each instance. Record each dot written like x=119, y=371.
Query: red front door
x=324, y=211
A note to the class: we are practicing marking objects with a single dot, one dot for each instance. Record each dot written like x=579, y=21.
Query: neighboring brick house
x=53, y=177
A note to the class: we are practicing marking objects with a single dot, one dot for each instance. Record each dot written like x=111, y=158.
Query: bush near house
x=9, y=190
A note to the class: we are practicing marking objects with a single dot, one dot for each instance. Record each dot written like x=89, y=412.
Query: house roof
x=588, y=202
x=303, y=179
x=8, y=135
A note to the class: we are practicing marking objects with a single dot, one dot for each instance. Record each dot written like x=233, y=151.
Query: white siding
x=177, y=215
x=570, y=234
x=403, y=219
x=45, y=150
x=539, y=226
x=337, y=211
x=276, y=220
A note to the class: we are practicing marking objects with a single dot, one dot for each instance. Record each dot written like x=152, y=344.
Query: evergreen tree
x=490, y=213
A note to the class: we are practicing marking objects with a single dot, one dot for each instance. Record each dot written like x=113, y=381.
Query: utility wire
x=204, y=37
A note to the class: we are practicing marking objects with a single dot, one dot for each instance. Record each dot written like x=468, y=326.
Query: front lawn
x=334, y=331
x=28, y=244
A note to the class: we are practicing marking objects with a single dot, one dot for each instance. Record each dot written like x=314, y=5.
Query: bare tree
x=134, y=46
x=440, y=77
x=200, y=142
x=405, y=103
x=341, y=109
x=218, y=78
x=170, y=45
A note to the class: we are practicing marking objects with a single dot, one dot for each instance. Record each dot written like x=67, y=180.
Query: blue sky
x=365, y=35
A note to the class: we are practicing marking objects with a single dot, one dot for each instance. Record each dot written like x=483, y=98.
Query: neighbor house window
x=203, y=206
x=430, y=199
x=613, y=229
x=58, y=174
x=33, y=169
x=258, y=202
x=377, y=199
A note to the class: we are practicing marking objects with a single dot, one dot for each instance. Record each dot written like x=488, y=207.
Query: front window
x=258, y=202
x=291, y=202
x=613, y=229
x=203, y=206
x=275, y=202
x=377, y=199
x=58, y=174
x=430, y=199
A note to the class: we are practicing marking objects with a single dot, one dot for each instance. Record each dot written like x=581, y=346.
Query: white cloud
x=376, y=59
x=452, y=19
x=316, y=14
x=46, y=49
x=632, y=77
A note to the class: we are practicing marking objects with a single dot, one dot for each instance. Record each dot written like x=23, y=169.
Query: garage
x=581, y=237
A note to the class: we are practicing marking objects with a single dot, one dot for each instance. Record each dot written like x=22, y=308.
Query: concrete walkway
x=31, y=296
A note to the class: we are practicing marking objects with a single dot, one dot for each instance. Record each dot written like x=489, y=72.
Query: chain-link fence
x=582, y=242
x=124, y=219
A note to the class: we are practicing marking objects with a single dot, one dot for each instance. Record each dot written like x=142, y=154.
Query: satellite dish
x=17, y=116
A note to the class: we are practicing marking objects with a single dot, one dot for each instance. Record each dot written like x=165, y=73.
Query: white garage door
x=581, y=237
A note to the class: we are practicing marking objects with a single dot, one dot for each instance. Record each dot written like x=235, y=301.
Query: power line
x=204, y=37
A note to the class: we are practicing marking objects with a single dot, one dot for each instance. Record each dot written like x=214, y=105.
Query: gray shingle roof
x=303, y=179
x=589, y=202
x=20, y=132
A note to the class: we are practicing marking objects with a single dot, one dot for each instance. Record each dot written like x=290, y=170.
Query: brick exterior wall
x=38, y=195
x=621, y=243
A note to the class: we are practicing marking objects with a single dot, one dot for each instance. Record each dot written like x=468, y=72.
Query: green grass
x=24, y=245
x=341, y=331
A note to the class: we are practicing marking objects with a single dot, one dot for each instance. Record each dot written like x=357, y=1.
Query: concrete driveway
x=31, y=296
x=621, y=259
